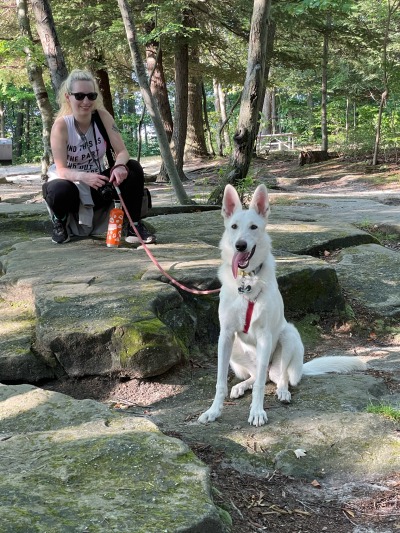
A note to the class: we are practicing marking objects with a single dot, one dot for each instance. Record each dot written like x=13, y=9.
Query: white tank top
x=85, y=152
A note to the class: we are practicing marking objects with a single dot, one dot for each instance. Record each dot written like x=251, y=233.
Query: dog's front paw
x=283, y=395
x=239, y=389
x=209, y=416
x=258, y=417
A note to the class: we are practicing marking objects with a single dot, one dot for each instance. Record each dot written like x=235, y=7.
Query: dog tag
x=244, y=289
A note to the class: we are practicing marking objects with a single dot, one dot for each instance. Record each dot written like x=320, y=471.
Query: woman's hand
x=119, y=173
x=94, y=180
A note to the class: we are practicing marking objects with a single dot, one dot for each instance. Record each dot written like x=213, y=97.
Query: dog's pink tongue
x=238, y=258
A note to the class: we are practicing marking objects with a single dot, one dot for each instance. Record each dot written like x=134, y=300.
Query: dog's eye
x=234, y=226
x=253, y=226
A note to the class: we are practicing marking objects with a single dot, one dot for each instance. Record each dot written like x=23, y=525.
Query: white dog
x=255, y=338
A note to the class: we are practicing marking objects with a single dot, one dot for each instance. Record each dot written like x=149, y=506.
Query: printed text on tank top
x=85, y=152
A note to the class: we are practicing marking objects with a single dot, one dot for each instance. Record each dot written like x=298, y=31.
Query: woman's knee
x=135, y=170
x=61, y=192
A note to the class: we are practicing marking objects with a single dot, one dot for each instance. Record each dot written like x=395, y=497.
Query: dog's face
x=244, y=239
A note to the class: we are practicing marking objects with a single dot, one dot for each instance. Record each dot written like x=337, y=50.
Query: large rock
x=370, y=274
x=69, y=465
x=96, y=311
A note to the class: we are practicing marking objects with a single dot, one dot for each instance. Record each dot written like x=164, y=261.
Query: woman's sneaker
x=60, y=233
x=147, y=237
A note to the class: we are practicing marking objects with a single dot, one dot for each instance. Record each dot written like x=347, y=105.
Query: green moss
x=147, y=337
x=309, y=330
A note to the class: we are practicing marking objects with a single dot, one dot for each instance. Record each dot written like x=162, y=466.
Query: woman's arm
x=58, y=141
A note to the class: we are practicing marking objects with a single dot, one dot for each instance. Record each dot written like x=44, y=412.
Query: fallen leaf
x=316, y=484
x=121, y=406
x=300, y=453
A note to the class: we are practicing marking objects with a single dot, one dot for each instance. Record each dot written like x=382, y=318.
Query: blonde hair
x=66, y=87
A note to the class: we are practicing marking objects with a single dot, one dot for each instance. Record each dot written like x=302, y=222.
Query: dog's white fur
x=272, y=347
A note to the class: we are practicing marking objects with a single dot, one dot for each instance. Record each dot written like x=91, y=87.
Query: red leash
x=154, y=260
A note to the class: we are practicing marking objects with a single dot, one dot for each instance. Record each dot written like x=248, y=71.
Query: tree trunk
x=18, y=133
x=35, y=76
x=151, y=103
x=324, y=88
x=382, y=104
x=50, y=43
x=27, y=129
x=310, y=113
x=2, y=125
x=195, y=139
x=217, y=107
x=222, y=103
x=391, y=9
x=251, y=101
x=179, y=133
x=206, y=122
x=266, y=111
x=104, y=85
x=158, y=85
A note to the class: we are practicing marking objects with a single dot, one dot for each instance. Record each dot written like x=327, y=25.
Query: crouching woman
x=79, y=191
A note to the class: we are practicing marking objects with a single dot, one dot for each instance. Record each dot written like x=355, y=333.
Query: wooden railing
x=276, y=141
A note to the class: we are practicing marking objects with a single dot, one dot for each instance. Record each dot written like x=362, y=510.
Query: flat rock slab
x=370, y=274
x=69, y=465
x=327, y=418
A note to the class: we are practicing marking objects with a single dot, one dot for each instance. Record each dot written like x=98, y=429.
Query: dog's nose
x=241, y=246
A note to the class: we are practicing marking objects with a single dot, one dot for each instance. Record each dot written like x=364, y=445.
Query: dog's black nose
x=241, y=246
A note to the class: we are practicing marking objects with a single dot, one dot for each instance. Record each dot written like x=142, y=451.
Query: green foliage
x=386, y=410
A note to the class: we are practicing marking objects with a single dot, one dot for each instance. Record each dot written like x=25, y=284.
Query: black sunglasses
x=81, y=96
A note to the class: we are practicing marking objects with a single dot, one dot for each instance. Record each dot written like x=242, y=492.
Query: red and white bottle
x=115, y=223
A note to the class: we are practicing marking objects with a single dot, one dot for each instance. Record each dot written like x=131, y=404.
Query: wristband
x=119, y=165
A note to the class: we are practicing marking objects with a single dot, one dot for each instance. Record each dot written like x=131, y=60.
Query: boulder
x=69, y=465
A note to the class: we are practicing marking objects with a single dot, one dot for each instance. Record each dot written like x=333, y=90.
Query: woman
x=75, y=193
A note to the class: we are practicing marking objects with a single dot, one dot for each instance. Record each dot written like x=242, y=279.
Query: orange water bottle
x=115, y=225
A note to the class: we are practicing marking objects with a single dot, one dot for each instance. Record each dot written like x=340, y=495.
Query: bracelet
x=119, y=165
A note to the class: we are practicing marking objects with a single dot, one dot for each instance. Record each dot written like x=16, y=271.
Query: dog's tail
x=339, y=364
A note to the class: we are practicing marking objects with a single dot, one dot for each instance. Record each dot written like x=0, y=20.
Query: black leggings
x=62, y=196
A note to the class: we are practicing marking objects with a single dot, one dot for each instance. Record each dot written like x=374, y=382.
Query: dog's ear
x=260, y=201
x=231, y=201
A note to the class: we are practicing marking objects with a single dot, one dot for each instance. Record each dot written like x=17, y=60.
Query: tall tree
x=324, y=87
x=35, y=76
x=251, y=101
x=150, y=102
x=195, y=140
x=391, y=7
x=181, y=61
x=50, y=43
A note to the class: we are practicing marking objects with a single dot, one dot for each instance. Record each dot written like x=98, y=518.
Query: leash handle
x=154, y=260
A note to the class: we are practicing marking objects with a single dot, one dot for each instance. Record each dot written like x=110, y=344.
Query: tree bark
x=217, y=107
x=181, y=60
x=158, y=84
x=2, y=125
x=195, y=139
x=104, y=85
x=35, y=76
x=50, y=43
x=251, y=101
x=206, y=122
x=222, y=103
x=18, y=134
x=150, y=102
x=324, y=88
x=391, y=9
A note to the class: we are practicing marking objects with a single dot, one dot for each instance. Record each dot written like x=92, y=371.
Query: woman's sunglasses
x=81, y=96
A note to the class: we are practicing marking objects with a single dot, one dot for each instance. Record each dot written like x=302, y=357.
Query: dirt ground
x=271, y=502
